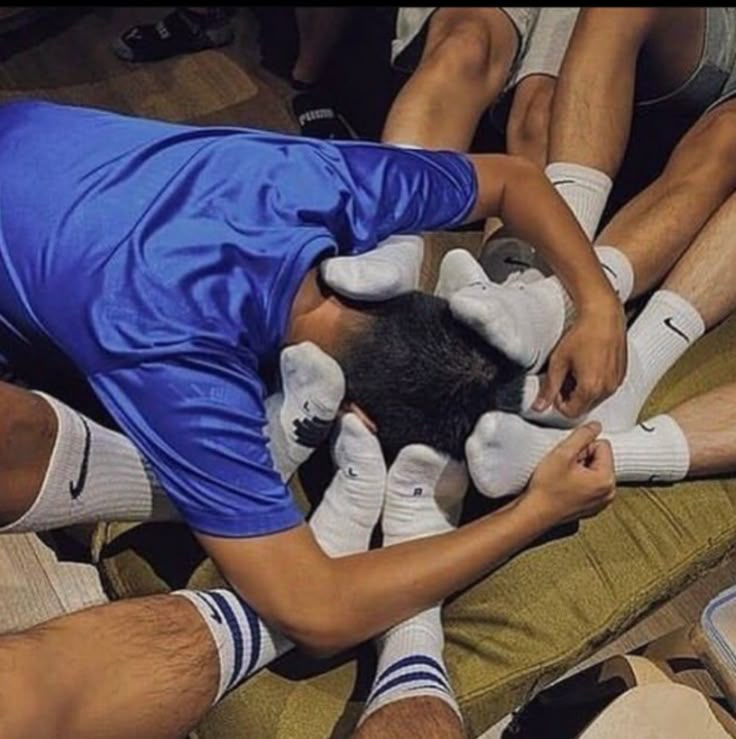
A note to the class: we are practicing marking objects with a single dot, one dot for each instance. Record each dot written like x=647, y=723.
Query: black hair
x=422, y=376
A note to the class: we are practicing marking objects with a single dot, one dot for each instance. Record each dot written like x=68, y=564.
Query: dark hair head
x=422, y=376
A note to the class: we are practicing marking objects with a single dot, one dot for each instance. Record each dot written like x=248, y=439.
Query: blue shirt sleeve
x=388, y=190
x=199, y=421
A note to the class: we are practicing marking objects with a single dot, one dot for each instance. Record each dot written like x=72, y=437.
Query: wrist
x=532, y=507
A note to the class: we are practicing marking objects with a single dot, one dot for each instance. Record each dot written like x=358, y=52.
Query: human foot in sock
x=345, y=519
x=182, y=31
x=317, y=117
x=523, y=321
x=424, y=494
x=504, y=450
x=301, y=415
x=392, y=268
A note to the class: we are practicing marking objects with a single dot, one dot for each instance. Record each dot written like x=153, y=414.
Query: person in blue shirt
x=167, y=265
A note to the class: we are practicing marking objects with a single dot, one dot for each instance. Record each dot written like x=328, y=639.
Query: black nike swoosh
x=563, y=182
x=351, y=472
x=672, y=327
x=75, y=489
x=648, y=429
x=531, y=365
x=516, y=262
x=609, y=269
x=653, y=478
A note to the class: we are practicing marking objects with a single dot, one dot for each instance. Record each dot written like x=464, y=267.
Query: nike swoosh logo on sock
x=653, y=478
x=351, y=472
x=672, y=327
x=75, y=488
x=648, y=429
x=610, y=270
x=563, y=182
x=533, y=363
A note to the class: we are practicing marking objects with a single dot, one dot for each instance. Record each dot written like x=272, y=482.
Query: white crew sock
x=94, y=474
x=424, y=494
x=504, y=450
x=301, y=415
x=244, y=642
x=667, y=327
x=392, y=268
x=345, y=519
x=584, y=189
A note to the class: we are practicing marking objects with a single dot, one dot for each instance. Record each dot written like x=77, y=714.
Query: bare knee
x=27, y=435
x=464, y=48
x=527, y=132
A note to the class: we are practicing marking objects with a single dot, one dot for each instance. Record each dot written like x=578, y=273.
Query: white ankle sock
x=504, y=450
x=94, y=474
x=617, y=268
x=667, y=327
x=655, y=450
x=424, y=493
x=345, y=519
x=391, y=269
x=584, y=189
x=301, y=415
x=342, y=524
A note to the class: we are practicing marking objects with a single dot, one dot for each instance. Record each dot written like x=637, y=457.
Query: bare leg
x=466, y=60
x=593, y=104
x=424, y=717
x=145, y=667
x=709, y=424
x=655, y=228
x=320, y=29
x=527, y=132
x=706, y=274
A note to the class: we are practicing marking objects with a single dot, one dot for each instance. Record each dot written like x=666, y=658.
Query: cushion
x=513, y=632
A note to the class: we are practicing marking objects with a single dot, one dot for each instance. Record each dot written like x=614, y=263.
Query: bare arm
x=329, y=604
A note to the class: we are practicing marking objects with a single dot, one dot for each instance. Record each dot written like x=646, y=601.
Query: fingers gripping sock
x=94, y=474
x=584, y=189
x=301, y=416
x=504, y=450
x=655, y=450
x=424, y=493
x=662, y=333
x=345, y=519
x=391, y=269
x=244, y=643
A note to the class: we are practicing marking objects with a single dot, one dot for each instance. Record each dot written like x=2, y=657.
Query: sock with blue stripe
x=424, y=493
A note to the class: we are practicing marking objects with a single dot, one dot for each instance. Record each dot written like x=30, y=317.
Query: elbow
x=322, y=632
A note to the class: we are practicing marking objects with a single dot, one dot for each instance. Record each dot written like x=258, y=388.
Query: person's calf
x=527, y=130
x=426, y=717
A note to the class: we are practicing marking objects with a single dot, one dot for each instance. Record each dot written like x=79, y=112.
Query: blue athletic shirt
x=161, y=260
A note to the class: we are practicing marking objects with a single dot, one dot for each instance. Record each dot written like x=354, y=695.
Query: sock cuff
x=583, y=175
x=688, y=318
x=618, y=269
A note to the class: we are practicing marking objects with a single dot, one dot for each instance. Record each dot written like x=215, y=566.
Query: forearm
x=334, y=604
